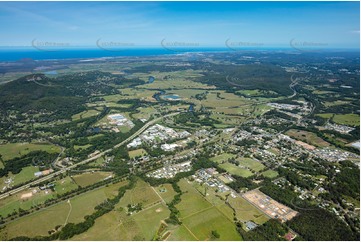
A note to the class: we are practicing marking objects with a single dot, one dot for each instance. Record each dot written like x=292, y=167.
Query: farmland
x=202, y=217
x=39, y=223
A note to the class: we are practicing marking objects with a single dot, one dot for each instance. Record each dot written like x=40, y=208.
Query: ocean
x=18, y=54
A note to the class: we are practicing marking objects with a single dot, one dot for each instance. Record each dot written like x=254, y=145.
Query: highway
x=45, y=178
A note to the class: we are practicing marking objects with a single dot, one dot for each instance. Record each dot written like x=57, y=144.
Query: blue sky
x=335, y=24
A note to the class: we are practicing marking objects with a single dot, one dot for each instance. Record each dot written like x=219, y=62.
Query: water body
x=13, y=54
x=171, y=97
x=151, y=79
x=51, y=73
x=157, y=95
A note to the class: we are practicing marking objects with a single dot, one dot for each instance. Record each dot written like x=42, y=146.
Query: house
x=250, y=225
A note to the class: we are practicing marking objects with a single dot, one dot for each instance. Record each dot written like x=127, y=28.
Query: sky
x=202, y=24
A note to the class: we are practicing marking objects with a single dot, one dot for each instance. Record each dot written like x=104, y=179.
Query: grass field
x=12, y=150
x=65, y=185
x=166, y=192
x=138, y=152
x=270, y=174
x=192, y=202
x=251, y=164
x=39, y=223
x=26, y=174
x=307, y=137
x=117, y=225
x=202, y=224
x=200, y=215
x=141, y=193
x=223, y=157
x=235, y=170
x=78, y=147
x=246, y=211
x=89, y=178
x=98, y=162
x=181, y=233
x=85, y=114
x=345, y=119
x=14, y=202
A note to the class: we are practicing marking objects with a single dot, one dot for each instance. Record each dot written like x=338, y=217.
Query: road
x=292, y=87
x=45, y=178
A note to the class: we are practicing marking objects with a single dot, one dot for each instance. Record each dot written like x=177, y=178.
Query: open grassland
x=204, y=222
x=90, y=178
x=192, y=202
x=98, y=162
x=307, y=137
x=335, y=103
x=251, y=164
x=83, y=147
x=270, y=174
x=26, y=174
x=181, y=233
x=166, y=192
x=246, y=211
x=219, y=99
x=256, y=92
x=39, y=223
x=12, y=150
x=85, y=114
x=65, y=185
x=136, y=153
x=236, y=170
x=345, y=119
x=175, y=80
x=14, y=202
x=142, y=193
x=145, y=113
x=200, y=215
x=116, y=225
x=143, y=225
x=223, y=157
